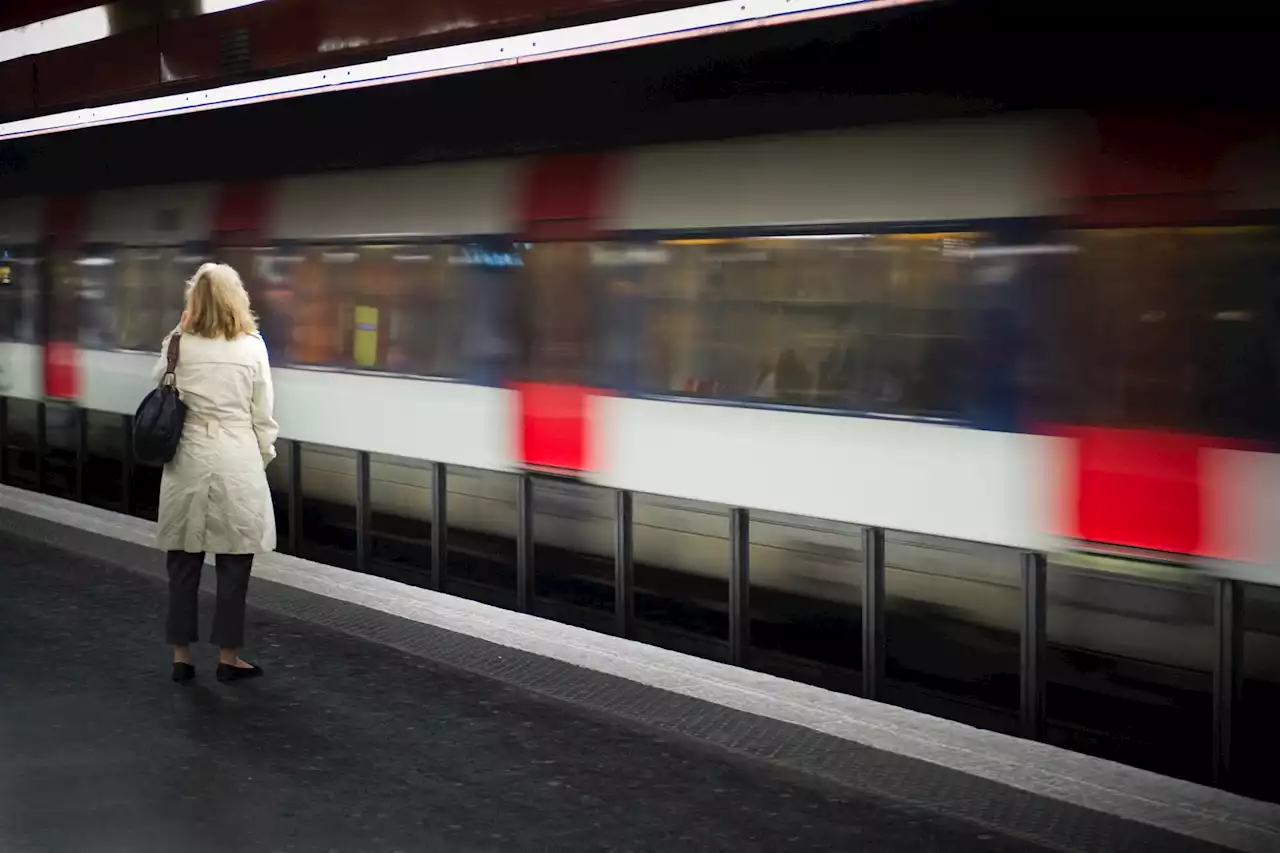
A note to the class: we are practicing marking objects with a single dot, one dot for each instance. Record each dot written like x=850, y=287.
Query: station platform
x=394, y=718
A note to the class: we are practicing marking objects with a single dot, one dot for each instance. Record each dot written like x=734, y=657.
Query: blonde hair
x=217, y=304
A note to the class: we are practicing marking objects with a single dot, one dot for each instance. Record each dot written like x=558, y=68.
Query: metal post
x=1033, y=644
x=41, y=441
x=872, y=611
x=126, y=463
x=295, y=498
x=4, y=439
x=82, y=453
x=739, y=585
x=524, y=544
x=1229, y=626
x=364, y=511
x=439, y=523
x=624, y=605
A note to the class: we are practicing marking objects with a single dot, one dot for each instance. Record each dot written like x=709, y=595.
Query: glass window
x=267, y=275
x=149, y=294
x=93, y=285
x=868, y=322
x=19, y=293
x=64, y=296
x=398, y=308
x=1172, y=328
x=553, y=304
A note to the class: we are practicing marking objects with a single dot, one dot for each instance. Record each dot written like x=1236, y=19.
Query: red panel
x=567, y=197
x=553, y=426
x=241, y=215
x=1137, y=488
x=61, y=370
x=1155, y=168
x=65, y=220
x=115, y=66
x=17, y=86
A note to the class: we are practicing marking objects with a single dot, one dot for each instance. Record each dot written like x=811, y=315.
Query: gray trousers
x=184, y=599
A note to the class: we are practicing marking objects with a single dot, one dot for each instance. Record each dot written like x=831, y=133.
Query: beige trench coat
x=214, y=496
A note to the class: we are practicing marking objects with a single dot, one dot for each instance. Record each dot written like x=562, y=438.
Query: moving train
x=986, y=335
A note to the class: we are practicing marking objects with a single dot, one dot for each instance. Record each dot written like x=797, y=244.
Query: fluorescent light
x=818, y=237
x=63, y=31
x=609, y=35
x=1016, y=251
x=208, y=7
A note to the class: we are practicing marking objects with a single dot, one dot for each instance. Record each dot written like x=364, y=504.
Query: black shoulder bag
x=157, y=425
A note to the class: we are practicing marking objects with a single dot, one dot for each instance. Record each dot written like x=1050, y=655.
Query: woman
x=214, y=495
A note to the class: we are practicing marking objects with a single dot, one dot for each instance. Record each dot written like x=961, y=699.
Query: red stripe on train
x=240, y=217
x=1136, y=488
x=567, y=197
x=563, y=198
x=65, y=223
x=553, y=426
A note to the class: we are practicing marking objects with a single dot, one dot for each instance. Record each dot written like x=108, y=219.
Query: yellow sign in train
x=366, y=337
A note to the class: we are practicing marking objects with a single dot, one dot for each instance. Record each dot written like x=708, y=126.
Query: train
x=1041, y=331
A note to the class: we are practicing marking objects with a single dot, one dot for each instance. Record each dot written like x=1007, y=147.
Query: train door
x=564, y=204
x=554, y=304
x=1169, y=329
x=64, y=231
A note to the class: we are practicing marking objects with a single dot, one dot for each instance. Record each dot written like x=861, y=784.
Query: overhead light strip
x=459, y=59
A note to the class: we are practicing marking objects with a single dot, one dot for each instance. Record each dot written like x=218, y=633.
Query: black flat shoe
x=227, y=672
x=183, y=672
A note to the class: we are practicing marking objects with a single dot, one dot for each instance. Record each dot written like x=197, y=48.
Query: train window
x=552, y=317
x=92, y=286
x=1173, y=328
x=865, y=322
x=384, y=307
x=623, y=275
x=148, y=295
x=64, y=295
x=578, y=312
x=19, y=293
x=267, y=275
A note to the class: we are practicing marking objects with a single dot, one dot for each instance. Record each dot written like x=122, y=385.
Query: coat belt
x=212, y=426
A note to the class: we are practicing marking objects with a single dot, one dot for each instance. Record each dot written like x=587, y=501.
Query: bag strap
x=171, y=356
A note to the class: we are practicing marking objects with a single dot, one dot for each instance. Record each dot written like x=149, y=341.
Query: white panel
x=153, y=216
x=957, y=170
x=20, y=371
x=940, y=480
x=20, y=221
x=439, y=421
x=114, y=381
x=67, y=30
x=1242, y=503
x=453, y=199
